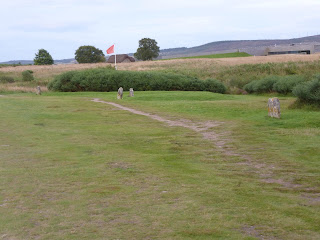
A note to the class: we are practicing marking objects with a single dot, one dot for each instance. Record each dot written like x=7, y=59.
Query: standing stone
x=131, y=92
x=120, y=93
x=270, y=107
x=274, y=107
x=38, y=90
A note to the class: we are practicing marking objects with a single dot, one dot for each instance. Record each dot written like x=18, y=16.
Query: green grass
x=74, y=169
x=221, y=55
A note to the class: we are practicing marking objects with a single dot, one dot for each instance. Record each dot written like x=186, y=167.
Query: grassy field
x=234, y=72
x=221, y=55
x=71, y=168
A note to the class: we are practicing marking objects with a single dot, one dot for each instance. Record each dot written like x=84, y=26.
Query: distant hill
x=65, y=61
x=23, y=62
x=252, y=47
x=28, y=62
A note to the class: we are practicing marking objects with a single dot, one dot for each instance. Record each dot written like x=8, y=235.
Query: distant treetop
x=89, y=54
x=43, y=58
x=148, y=49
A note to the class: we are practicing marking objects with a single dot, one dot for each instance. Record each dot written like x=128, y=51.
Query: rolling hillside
x=252, y=47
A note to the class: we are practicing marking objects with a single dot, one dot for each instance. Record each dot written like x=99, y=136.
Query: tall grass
x=221, y=55
x=233, y=72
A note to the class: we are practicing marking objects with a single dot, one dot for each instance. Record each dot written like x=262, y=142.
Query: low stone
x=38, y=90
x=274, y=108
x=120, y=93
x=131, y=92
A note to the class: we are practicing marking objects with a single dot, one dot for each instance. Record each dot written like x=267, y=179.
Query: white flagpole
x=115, y=57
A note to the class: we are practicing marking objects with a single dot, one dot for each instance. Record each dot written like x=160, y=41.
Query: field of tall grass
x=234, y=72
x=220, y=55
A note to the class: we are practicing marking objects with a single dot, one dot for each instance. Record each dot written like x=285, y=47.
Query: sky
x=62, y=26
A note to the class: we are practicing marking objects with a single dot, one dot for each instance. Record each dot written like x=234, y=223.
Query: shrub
x=285, y=84
x=104, y=79
x=249, y=86
x=261, y=86
x=213, y=85
x=308, y=92
x=6, y=79
x=265, y=84
x=27, y=75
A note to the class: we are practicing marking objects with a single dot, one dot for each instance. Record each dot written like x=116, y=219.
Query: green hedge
x=285, y=84
x=106, y=80
x=309, y=92
x=280, y=84
x=262, y=85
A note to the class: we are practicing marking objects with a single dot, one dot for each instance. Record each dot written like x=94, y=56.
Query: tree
x=43, y=58
x=148, y=49
x=89, y=54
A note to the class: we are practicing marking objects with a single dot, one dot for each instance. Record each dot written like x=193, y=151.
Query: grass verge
x=74, y=169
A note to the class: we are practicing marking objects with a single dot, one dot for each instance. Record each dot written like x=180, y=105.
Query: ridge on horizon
x=208, y=48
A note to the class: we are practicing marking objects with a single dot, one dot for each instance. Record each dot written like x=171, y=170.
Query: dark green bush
x=6, y=79
x=249, y=86
x=308, y=92
x=213, y=85
x=263, y=85
x=106, y=80
x=27, y=76
x=285, y=84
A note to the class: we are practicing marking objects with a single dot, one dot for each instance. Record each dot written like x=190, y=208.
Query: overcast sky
x=61, y=26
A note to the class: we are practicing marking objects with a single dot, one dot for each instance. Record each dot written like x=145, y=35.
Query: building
x=121, y=58
x=290, y=49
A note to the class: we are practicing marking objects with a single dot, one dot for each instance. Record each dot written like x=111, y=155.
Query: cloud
x=64, y=25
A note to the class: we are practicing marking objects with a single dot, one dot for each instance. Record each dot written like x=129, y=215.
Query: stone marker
x=131, y=92
x=38, y=90
x=274, y=107
x=120, y=93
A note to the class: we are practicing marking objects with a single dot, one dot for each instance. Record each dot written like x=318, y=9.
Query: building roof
x=121, y=58
x=292, y=47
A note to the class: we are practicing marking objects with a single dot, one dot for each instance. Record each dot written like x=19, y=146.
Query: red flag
x=110, y=49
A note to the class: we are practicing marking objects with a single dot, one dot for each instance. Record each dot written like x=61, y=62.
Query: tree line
x=148, y=50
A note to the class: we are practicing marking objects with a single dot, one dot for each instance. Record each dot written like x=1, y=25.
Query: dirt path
x=201, y=127
x=265, y=171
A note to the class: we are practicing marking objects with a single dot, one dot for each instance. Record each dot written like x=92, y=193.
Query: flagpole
x=115, y=58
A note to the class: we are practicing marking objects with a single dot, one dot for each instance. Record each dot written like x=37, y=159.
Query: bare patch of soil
x=119, y=165
x=281, y=182
x=252, y=231
x=312, y=198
